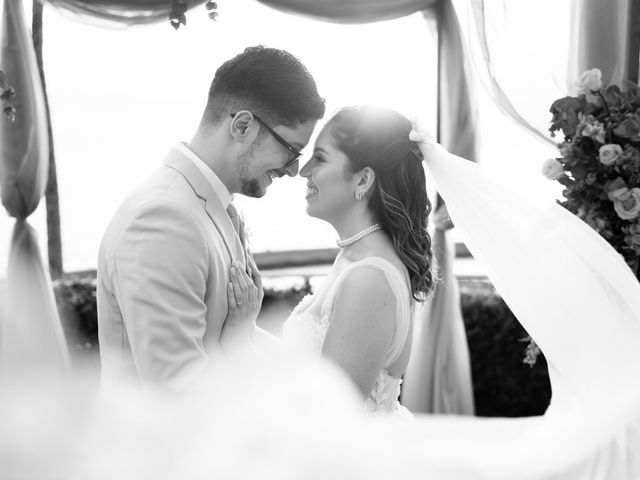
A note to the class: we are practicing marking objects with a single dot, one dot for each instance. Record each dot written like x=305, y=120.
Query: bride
x=367, y=180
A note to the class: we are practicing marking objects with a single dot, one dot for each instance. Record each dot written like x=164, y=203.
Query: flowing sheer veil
x=567, y=286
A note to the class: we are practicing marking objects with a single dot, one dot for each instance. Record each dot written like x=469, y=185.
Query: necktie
x=237, y=222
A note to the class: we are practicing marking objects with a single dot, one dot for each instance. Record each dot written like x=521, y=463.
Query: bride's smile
x=311, y=190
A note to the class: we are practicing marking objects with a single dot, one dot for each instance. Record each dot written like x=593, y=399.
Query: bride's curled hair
x=378, y=138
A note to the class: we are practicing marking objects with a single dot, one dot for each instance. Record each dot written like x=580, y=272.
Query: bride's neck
x=350, y=225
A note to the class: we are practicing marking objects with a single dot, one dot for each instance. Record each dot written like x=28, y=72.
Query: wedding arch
x=24, y=174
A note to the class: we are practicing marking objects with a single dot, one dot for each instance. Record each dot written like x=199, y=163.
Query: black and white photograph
x=320, y=239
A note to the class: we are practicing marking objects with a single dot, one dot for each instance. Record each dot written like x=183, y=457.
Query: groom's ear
x=239, y=125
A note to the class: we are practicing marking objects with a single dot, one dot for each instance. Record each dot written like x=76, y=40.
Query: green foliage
x=76, y=299
x=503, y=384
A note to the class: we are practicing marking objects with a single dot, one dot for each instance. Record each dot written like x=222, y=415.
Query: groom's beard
x=249, y=186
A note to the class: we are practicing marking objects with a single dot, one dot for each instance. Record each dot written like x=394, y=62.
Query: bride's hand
x=254, y=273
x=244, y=297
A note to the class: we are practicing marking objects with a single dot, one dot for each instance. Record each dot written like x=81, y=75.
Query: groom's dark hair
x=270, y=82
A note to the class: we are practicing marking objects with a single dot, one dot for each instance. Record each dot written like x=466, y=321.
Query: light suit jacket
x=163, y=268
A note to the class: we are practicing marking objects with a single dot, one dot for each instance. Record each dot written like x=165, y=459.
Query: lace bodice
x=306, y=329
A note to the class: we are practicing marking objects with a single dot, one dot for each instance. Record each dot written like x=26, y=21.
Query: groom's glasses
x=295, y=153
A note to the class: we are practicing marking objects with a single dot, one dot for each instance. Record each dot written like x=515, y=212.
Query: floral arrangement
x=599, y=163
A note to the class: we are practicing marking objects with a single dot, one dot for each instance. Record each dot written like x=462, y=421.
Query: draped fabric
x=121, y=12
x=497, y=38
x=600, y=34
x=351, y=11
x=30, y=324
x=499, y=42
x=438, y=377
x=33, y=344
x=577, y=298
x=457, y=108
x=532, y=249
x=457, y=131
x=495, y=89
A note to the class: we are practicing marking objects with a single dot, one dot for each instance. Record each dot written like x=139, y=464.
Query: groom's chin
x=260, y=193
x=252, y=188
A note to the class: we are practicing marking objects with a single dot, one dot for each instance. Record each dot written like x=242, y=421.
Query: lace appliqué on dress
x=306, y=330
x=384, y=396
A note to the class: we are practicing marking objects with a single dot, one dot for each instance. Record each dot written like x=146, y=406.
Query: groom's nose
x=292, y=170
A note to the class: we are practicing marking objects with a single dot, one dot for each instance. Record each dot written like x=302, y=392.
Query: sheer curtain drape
x=30, y=331
x=504, y=38
x=351, y=11
x=438, y=378
x=600, y=38
x=439, y=340
x=121, y=12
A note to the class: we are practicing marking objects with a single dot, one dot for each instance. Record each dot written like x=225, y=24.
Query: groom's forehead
x=298, y=135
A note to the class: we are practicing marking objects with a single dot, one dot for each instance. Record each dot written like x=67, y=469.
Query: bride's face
x=330, y=187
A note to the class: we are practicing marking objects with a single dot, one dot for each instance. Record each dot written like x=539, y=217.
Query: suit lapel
x=213, y=206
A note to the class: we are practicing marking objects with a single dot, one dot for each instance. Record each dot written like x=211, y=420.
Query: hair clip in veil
x=418, y=133
x=415, y=136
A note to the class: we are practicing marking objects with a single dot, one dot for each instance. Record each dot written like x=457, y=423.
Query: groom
x=164, y=260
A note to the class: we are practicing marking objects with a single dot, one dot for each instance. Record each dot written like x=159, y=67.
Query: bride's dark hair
x=378, y=138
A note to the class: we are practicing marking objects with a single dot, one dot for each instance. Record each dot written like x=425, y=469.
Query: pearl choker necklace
x=358, y=236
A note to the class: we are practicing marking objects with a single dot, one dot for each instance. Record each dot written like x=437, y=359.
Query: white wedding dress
x=307, y=327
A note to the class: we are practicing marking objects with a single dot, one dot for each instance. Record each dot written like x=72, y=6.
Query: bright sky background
x=120, y=98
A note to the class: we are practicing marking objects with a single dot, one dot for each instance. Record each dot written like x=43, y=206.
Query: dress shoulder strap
x=399, y=284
